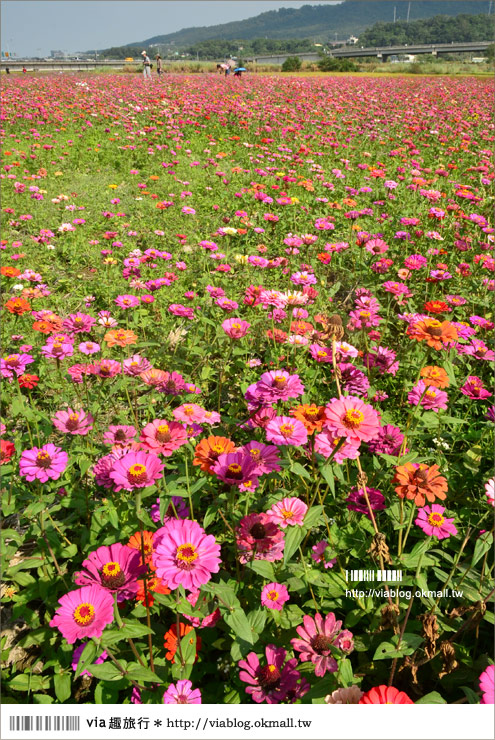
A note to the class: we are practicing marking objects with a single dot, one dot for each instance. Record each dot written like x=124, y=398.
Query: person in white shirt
x=146, y=65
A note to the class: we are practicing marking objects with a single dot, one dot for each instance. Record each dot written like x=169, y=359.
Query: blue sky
x=34, y=27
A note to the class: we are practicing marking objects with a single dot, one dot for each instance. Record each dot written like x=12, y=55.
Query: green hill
x=320, y=23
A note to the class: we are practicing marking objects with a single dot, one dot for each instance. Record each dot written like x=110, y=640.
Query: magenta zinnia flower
x=163, y=437
x=119, y=435
x=73, y=422
x=432, y=522
x=326, y=442
x=235, y=328
x=288, y=511
x=136, y=470
x=79, y=322
x=265, y=457
x=350, y=417
x=316, y=636
x=83, y=613
x=430, y=397
x=388, y=441
x=14, y=364
x=356, y=500
x=182, y=693
x=474, y=388
x=284, y=430
x=271, y=682
x=259, y=538
x=43, y=463
x=487, y=685
x=115, y=568
x=274, y=596
x=278, y=385
x=185, y=555
x=235, y=468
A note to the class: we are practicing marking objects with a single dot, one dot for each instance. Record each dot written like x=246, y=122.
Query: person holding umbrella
x=238, y=71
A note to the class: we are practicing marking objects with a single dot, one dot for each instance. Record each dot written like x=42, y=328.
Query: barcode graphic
x=50, y=724
x=387, y=576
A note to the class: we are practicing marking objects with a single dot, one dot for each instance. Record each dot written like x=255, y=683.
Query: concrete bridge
x=380, y=52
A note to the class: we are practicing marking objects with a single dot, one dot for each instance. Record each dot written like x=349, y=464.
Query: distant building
x=58, y=54
x=352, y=40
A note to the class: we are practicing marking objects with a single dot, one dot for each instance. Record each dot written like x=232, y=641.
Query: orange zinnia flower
x=147, y=548
x=153, y=585
x=17, y=306
x=436, y=376
x=208, y=450
x=120, y=337
x=9, y=271
x=301, y=327
x=311, y=415
x=171, y=641
x=420, y=482
x=153, y=376
x=436, y=333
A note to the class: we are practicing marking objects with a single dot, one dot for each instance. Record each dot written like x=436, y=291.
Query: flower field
x=247, y=409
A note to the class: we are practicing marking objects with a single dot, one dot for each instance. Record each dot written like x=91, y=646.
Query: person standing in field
x=158, y=64
x=146, y=65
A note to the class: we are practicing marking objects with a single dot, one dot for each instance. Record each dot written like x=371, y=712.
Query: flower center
x=258, y=531
x=12, y=360
x=320, y=644
x=434, y=329
x=188, y=410
x=268, y=676
x=216, y=450
x=112, y=575
x=84, y=614
x=286, y=429
x=43, y=459
x=279, y=382
x=119, y=435
x=272, y=595
x=181, y=699
x=353, y=418
x=73, y=421
x=422, y=476
x=436, y=519
x=163, y=433
x=287, y=514
x=321, y=353
x=254, y=452
x=430, y=394
x=235, y=470
x=185, y=556
x=137, y=473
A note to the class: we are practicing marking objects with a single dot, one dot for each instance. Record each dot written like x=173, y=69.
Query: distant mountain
x=320, y=22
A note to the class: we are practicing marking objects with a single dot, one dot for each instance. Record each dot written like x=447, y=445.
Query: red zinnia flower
x=17, y=306
x=28, y=381
x=385, y=695
x=7, y=449
x=171, y=642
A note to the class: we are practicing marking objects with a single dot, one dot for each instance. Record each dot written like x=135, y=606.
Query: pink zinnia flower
x=356, y=500
x=89, y=348
x=235, y=468
x=163, y=437
x=316, y=636
x=318, y=554
x=235, y=328
x=288, y=511
x=265, y=457
x=278, y=385
x=189, y=412
x=127, y=301
x=119, y=435
x=326, y=442
x=79, y=322
x=490, y=491
x=182, y=692
x=284, y=430
x=259, y=538
x=43, y=463
x=433, y=524
x=350, y=417
x=271, y=682
x=487, y=685
x=210, y=620
x=83, y=613
x=73, y=422
x=185, y=555
x=274, y=596
x=14, y=364
x=430, y=397
x=136, y=470
x=115, y=568
x=474, y=388
x=57, y=350
x=136, y=365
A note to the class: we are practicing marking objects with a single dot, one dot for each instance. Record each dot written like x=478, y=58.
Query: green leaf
x=472, y=696
x=327, y=473
x=107, y=671
x=388, y=649
x=293, y=539
x=345, y=676
x=107, y=692
x=298, y=469
x=188, y=647
x=139, y=673
x=28, y=682
x=87, y=657
x=432, y=698
x=263, y=568
x=483, y=545
x=313, y=516
x=238, y=622
x=62, y=685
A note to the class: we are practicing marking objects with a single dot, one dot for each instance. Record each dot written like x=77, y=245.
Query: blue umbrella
x=240, y=69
